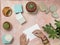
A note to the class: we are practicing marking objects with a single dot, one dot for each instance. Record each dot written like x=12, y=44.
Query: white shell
x=55, y=15
x=43, y=7
x=53, y=8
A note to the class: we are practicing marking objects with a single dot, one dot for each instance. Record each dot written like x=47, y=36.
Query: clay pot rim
x=29, y=10
x=9, y=25
x=4, y=13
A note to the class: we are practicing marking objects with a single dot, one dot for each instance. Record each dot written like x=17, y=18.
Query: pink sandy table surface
x=40, y=18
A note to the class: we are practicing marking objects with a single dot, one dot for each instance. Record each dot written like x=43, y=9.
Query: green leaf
x=51, y=31
x=57, y=23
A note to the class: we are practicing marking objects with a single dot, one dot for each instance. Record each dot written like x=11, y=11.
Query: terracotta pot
x=7, y=25
x=31, y=7
x=7, y=11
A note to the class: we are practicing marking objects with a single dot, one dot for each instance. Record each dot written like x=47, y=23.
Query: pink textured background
x=40, y=18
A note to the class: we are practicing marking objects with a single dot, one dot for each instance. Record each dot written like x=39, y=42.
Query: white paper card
x=20, y=18
x=29, y=31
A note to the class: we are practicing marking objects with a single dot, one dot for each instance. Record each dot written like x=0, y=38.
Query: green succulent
x=58, y=31
x=6, y=25
x=31, y=6
x=51, y=31
x=57, y=23
x=53, y=35
x=48, y=28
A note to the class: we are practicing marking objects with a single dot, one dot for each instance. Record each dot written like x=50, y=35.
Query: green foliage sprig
x=53, y=33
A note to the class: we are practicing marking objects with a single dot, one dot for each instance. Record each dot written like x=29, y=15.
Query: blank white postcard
x=29, y=31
